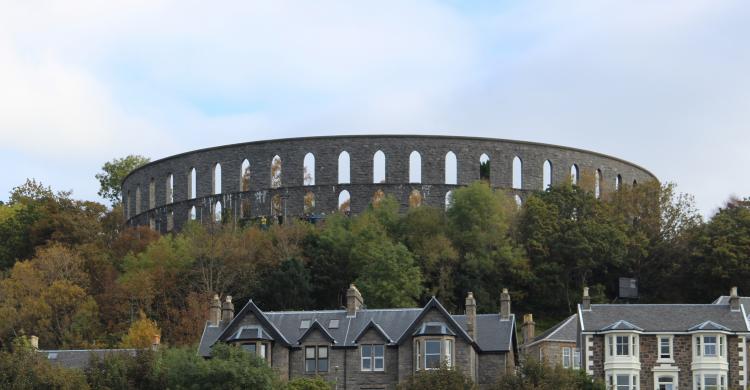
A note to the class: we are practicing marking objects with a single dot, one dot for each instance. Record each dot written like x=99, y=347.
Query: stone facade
x=161, y=214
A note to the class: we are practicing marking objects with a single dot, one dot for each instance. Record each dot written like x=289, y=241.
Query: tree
x=141, y=333
x=287, y=287
x=24, y=368
x=533, y=375
x=114, y=172
x=316, y=383
x=443, y=378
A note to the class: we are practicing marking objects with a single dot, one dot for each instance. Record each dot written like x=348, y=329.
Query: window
x=665, y=348
x=566, y=357
x=418, y=348
x=333, y=324
x=665, y=383
x=517, y=173
x=711, y=382
x=304, y=324
x=598, y=183
x=344, y=168
x=415, y=198
x=546, y=175
x=218, y=216
x=709, y=345
x=448, y=345
x=245, y=176
x=577, y=359
x=259, y=349
x=415, y=167
x=308, y=170
x=192, y=183
x=451, y=168
x=216, y=180
x=378, y=167
x=484, y=167
x=574, y=174
x=345, y=202
x=169, y=185
x=623, y=382
x=316, y=358
x=432, y=354
x=621, y=344
x=276, y=172
x=151, y=194
x=373, y=357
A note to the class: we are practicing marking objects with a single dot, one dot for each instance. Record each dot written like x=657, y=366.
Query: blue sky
x=664, y=84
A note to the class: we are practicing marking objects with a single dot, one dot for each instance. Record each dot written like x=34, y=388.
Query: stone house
x=360, y=348
x=666, y=346
x=555, y=346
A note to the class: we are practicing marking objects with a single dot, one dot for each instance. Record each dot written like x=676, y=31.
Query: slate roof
x=565, y=330
x=80, y=358
x=724, y=300
x=493, y=335
x=662, y=318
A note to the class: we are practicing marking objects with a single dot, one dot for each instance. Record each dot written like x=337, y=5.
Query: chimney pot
x=214, y=311
x=505, y=305
x=586, y=301
x=528, y=328
x=227, y=309
x=354, y=301
x=471, y=315
x=34, y=340
x=155, y=341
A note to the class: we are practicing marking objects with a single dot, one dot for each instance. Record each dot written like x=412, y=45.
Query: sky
x=663, y=84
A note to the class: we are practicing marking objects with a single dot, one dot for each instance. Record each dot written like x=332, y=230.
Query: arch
x=415, y=198
x=245, y=208
x=217, y=212
x=192, y=214
x=635, y=182
x=448, y=199
x=308, y=170
x=598, y=183
x=309, y=202
x=344, y=168
x=138, y=199
x=169, y=186
x=216, y=179
x=546, y=175
x=152, y=194
x=451, y=168
x=415, y=167
x=276, y=205
x=170, y=220
x=484, y=167
x=519, y=201
x=128, y=203
x=245, y=176
x=276, y=171
x=345, y=202
x=378, y=167
x=574, y=174
x=192, y=183
x=517, y=173
x=618, y=182
x=378, y=197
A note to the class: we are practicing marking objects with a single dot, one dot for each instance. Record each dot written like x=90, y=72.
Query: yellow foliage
x=141, y=333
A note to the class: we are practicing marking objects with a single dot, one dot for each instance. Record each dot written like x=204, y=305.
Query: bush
x=440, y=379
x=24, y=368
x=316, y=383
x=532, y=375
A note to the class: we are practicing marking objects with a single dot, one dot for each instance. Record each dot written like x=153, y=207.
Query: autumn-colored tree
x=141, y=334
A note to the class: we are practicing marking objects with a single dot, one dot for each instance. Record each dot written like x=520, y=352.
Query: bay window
x=431, y=352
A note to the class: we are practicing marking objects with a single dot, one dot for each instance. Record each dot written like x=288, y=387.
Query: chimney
x=734, y=299
x=528, y=328
x=155, y=341
x=34, y=340
x=354, y=301
x=214, y=311
x=227, y=309
x=504, y=305
x=586, y=301
x=471, y=315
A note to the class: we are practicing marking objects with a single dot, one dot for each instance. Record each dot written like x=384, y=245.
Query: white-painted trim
x=590, y=355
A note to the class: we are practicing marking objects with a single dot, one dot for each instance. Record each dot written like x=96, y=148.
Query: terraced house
x=665, y=347
x=360, y=348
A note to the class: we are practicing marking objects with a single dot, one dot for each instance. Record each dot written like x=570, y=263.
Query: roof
x=662, y=318
x=724, y=300
x=565, y=331
x=395, y=325
x=80, y=358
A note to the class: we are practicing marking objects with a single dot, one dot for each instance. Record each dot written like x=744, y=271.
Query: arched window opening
x=517, y=173
x=635, y=182
x=598, y=183
x=574, y=174
x=309, y=202
x=245, y=176
x=378, y=167
x=245, y=208
x=276, y=172
x=151, y=222
x=170, y=220
x=618, y=182
x=169, y=185
x=519, y=201
x=152, y=194
x=138, y=199
x=484, y=167
x=415, y=167
x=308, y=170
x=451, y=168
x=217, y=212
x=415, y=199
x=193, y=214
x=378, y=197
x=192, y=182
x=216, y=179
x=128, y=202
x=345, y=202
x=546, y=175
x=448, y=199
x=344, y=168
x=276, y=205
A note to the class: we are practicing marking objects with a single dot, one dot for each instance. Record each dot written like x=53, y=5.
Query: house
x=360, y=348
x=81, y=358
x=665, y=347
x=555, y=346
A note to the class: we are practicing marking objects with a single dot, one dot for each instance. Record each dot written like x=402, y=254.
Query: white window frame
x=672, y=376
x=439, y=354
x=566, y=357
x=447, y=352
x=577, y=359
x=372, y=358
x=670, y=344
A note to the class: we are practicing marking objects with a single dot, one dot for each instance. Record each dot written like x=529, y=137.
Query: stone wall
x=327, y=189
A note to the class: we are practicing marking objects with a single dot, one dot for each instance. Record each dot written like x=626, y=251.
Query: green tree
x=441, y=379
x=286, y=287
x=24, y=368
x=316, y=383
x=114, y=172
x=533, y=375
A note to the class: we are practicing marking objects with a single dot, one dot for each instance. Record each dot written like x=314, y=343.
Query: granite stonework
x=162, y=215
